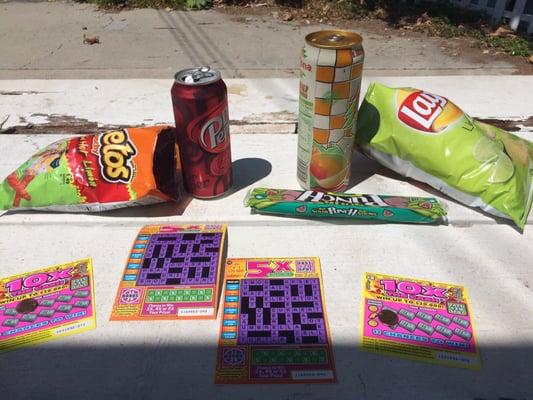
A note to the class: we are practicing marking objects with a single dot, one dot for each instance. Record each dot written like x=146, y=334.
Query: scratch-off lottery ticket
x=46, y=304
x=274, y=326
x=172, y=272
x=419, y=320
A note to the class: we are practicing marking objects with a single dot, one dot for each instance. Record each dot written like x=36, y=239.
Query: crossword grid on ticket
x=281, y=311
x=172, y=272
x=180, y=259
x=274, y=326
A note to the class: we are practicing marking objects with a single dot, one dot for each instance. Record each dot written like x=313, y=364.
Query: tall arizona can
x=331, y=65
x=200, y=101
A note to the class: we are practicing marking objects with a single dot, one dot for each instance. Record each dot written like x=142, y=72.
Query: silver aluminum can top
x=197, y=76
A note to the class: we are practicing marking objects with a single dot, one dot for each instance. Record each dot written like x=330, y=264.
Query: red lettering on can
x=304, y=65
x=220, y=165
x=357, y=53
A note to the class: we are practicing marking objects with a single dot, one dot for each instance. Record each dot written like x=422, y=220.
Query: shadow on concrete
x=150, y=211
x=197, y=44
x=247, y=171
x=156, y=371
x=179, y=36
x=364, y=167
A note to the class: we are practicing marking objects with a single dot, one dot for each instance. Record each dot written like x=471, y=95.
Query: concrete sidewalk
x=176, y=360
x=45, y=40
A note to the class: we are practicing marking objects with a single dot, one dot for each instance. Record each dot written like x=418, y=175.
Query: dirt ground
x=460, y=47
x=51, y=40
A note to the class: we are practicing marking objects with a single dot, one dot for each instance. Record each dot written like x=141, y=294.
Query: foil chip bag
x=310, y=203
x=114, y=169
x=426, y=137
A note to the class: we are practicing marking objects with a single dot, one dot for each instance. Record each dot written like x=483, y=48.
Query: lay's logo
x=426, y=112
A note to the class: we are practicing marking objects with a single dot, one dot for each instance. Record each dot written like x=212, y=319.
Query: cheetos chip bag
x=428, y=138
x=98, y=172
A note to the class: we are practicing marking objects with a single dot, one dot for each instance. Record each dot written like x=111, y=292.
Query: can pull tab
x=199, y=74
x=335, y=38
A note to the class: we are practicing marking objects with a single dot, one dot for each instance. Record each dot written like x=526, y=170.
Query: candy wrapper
x=114, y=169
x=421, y=210
x=428, y=138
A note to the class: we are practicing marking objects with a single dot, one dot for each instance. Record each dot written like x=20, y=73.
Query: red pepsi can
x=200, y=102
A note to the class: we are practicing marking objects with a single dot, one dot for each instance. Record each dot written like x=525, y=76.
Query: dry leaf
x=502, y=31
x=287, y=17
x=90, y=39
x=424, y=18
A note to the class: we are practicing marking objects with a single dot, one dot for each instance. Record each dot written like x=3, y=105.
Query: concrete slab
x=256, y=105
x=45, y=40
x=177, y=360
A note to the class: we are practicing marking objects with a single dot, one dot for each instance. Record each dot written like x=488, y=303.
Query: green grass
x=443, y=19
x=515, y=46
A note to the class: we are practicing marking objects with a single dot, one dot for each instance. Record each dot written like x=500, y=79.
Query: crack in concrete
x=362, y=385
x=282, y=122
x=111, y=20
x=510, y=125
x=51, y=53
x=59, y=124
x=21, y=92
x=71, y=125
x=2, y=122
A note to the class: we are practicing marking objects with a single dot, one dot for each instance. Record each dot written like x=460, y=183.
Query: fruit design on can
x=331, y=66
x=328, y=166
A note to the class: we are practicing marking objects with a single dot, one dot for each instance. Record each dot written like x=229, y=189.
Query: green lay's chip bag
x=428, y=138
